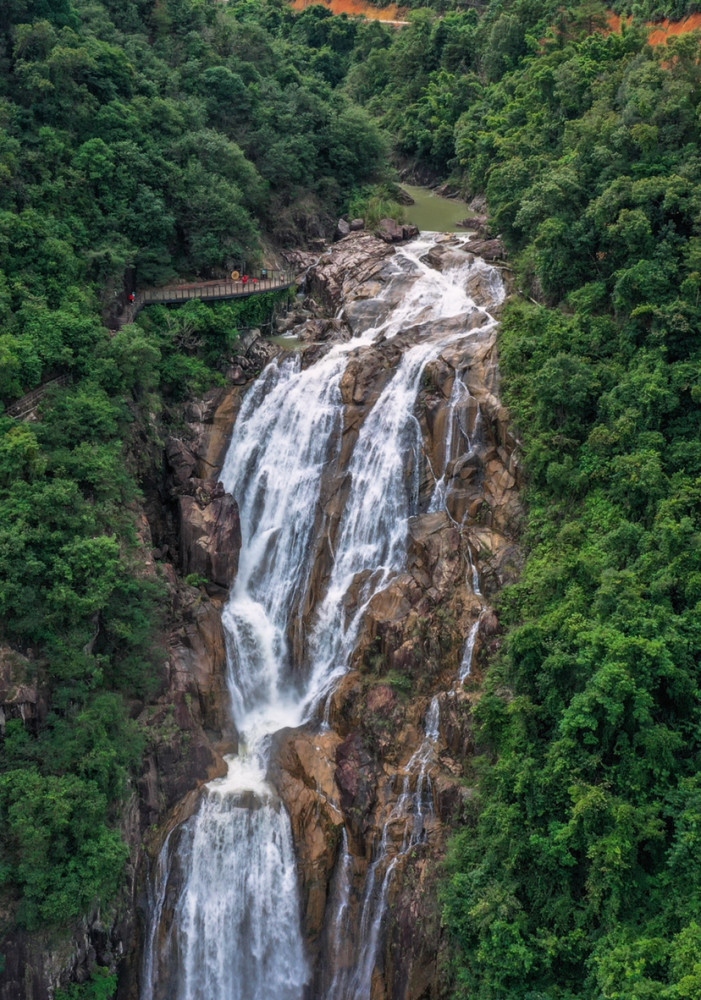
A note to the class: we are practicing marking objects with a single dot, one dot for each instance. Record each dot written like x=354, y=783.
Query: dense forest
x=139, y=143
x=578, y=873
x=142, y=141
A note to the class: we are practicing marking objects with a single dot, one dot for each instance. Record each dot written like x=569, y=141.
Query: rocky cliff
x=413, y=648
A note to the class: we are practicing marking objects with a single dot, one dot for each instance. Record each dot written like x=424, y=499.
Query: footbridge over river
x=209, y=291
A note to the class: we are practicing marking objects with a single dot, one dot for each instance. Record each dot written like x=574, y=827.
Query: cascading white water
x=282, y=443
x=238, y=918
x=412, y=810
x=156, y=892
x=373, y=531
x=469, y=652
x=235, y=931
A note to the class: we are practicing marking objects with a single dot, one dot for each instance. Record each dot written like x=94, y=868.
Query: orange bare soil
x=662, y=30
x=356, y=8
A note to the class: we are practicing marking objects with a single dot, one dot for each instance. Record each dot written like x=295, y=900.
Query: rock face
x=210, y=534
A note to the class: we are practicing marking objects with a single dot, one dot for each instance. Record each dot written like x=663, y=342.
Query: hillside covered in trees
x=577, y=874
x=167, y=139
x=139, y=142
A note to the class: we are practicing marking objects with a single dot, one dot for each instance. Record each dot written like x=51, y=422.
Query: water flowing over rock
x=375, y=479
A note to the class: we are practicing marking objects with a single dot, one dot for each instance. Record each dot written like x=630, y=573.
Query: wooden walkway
x=210, y=291
x=27, y=405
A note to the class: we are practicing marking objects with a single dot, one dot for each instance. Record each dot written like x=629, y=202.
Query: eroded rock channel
x=375, y=480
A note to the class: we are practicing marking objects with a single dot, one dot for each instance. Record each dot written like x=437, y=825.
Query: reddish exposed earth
x=662, y=30
x=392, y=14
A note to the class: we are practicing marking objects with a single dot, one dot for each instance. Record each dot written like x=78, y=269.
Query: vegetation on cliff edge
x=138, y=142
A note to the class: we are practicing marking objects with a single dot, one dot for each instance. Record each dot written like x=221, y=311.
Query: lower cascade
x=362, y=469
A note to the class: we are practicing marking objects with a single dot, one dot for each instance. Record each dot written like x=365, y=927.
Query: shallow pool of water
x=432, y=213
x=289, y=343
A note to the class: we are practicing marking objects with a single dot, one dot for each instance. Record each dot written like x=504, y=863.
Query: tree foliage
x=138, y=143
x=576, y=874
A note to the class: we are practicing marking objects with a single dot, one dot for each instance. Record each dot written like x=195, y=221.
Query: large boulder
x=344, y=270
x=487, y=249
x=390, y=231
x=446, y=256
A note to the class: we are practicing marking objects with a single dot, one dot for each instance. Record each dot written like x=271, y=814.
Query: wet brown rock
x=304, y=772
x=210, y=421
x=320, y=330
x=480, y=286
x=339, y=275
x=260, y=354
x=442, y=257
x=181, y=460
x=487, y=249
x=362, y=382
x=474, y=223
x=210, y=536
x=389, y=231
x=357, y=775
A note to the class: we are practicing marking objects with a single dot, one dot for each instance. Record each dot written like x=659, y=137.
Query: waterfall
x=469, y=652
x=234, y=929
x=237, y=918
x=156, y=893
x=373, y=531
x=414, y=807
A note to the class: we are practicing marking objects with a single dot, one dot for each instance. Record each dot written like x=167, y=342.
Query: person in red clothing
x=132, y=297
x=245, y=279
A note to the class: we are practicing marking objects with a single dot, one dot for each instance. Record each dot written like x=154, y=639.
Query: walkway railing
x=211, y=290
x=23, y=407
